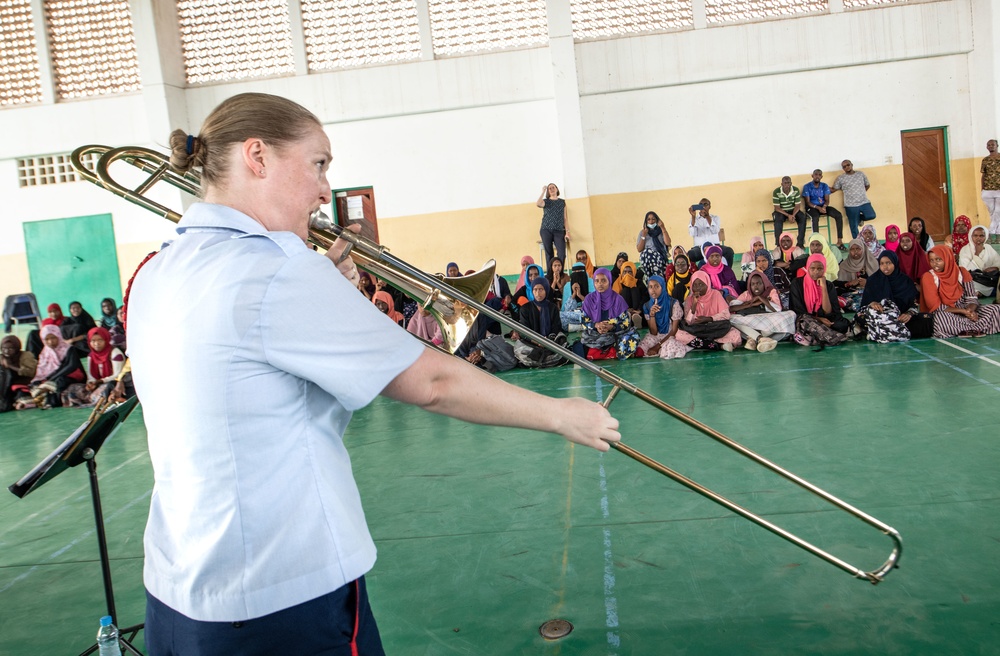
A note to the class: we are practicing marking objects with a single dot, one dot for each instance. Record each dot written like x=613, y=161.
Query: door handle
x=944, y=188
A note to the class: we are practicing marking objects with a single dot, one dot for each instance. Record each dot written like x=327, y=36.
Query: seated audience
x=706, y=321
x=607, y=330
x=870, y=240
x=524, y=294
x=818, y=244
x=616, y=270
x=853, y=274
x=105, y=363
x=109, y=313
x=526, y=261
x=787, y=256
x=58, y=368
x=452, y=270
x=76, y=326
x=118, y=331
x=386, y=305
x=55, y=317
x=425, y=326
x=680, y=278
x=982, y=261
x=653, y=243
x=888, y=310
x=541, y=316
x=632, y=288
x=814, y=301
x=558, y=279
x=663, y=315
x=17, y=368
x=912, y=258
x=721, y=276
x=367, y=285
x=919, y=229
x=758, y=315
x=891, y=237
x=959, y=237
x=777, y=277
x=748, y=262
x=948, y=292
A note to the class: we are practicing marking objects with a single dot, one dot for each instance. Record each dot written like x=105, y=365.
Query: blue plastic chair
x=20, y=308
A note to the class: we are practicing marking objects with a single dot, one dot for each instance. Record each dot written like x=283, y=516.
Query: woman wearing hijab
x=17, y=368
x=819, y=244
x=678, y=252
x=853, y=274
x=706, y=321
x=814, y=301
x=870, y=239
x=607, y=330
x=584, y=256
x=387, y=306
x=889, y=305
x=109, y=313
x=558, y=279
x=764, y=262
x=542, y=316
x=912, y=258
x=524, y=294
x=526, y=261
x=580, y=285
x=982, y=262
x=631, y=287
x=748, y=263
x=919, y=230
x=104, y=365
x=679, y=280
x=55, y=317
x=58, y=368
x=663, y=315
x=653, y=243
x=892, y=233
x=959, y=237
x=719, y=274
x=787, y=256
x=948, y=292
x=616, y=270
x=425, y=326
x=76, y=326
x=758, y=315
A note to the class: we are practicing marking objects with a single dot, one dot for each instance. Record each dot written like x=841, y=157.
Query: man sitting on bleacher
x=786, y=199
x=816, y=196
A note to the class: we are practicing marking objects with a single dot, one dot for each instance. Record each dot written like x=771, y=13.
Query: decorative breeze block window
x=341, y=34
x=464, y=26
x=50, y=169
x=235, y=39
x=730, y=11
x=859, y=4
x=595, y=19
x=92, y=46
x=20, y=82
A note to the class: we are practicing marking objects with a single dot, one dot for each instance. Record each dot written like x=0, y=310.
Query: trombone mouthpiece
x=320, y=220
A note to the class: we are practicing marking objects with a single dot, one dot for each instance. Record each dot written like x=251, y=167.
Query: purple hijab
x=597, y=303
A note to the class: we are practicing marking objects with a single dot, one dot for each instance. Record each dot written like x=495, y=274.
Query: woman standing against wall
x=555, y=225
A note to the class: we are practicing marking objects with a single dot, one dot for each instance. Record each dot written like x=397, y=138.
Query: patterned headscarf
x=959, y=241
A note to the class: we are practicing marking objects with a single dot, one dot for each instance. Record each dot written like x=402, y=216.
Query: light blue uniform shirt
x=249, y=353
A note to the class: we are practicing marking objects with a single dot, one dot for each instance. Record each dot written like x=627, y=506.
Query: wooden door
x=925, y=180
x=357, y=206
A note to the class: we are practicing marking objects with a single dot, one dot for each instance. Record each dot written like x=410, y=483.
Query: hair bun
x=186, y=150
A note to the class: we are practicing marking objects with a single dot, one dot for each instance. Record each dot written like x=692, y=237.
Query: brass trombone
x=453, y=304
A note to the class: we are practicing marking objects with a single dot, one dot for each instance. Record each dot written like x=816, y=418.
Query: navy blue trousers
x=337, y=624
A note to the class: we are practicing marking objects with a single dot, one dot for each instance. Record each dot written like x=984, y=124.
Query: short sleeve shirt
x=554, y=214
x=786, y=201
x=816, y=194
x=249, y=353
x=853, y=187
x=990, y=169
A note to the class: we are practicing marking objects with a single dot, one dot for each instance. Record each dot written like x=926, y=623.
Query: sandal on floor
x=842, y=248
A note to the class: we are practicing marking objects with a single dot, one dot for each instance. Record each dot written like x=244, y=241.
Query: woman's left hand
x=346, y=265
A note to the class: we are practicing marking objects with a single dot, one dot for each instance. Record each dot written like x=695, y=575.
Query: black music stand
x=82, y=446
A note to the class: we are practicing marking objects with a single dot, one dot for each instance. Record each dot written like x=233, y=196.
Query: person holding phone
x=706, y=228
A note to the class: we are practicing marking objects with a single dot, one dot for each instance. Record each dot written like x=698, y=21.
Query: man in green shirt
x=786, y=200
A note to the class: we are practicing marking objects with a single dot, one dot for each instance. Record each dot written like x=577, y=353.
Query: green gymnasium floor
x=484, y=534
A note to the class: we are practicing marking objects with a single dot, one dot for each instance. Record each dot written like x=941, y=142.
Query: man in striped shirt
x=786, y=199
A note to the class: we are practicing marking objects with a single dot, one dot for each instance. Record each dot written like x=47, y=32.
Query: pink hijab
x=50, y=359
x=709, y=304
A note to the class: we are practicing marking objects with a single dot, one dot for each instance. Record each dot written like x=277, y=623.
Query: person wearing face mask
x=653, y=243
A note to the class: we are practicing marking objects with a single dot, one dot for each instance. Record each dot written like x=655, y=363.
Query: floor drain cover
x=555, y=629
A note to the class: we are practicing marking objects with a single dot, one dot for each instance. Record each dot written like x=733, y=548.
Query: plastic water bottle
x=107, y=638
